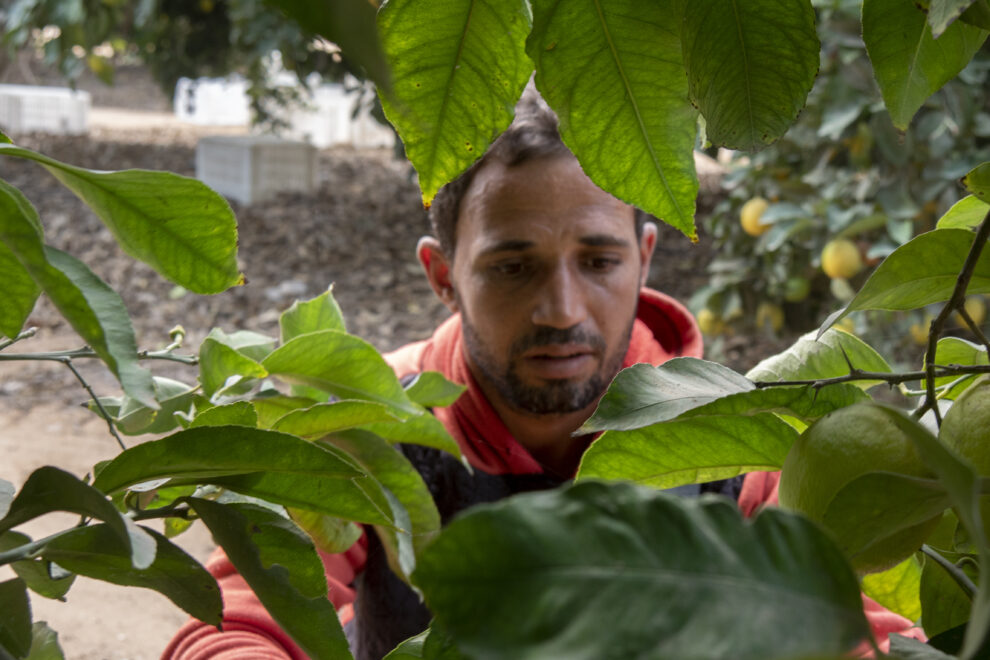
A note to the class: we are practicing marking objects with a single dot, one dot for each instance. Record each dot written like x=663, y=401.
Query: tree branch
x=30, y=332
x=886, y=377
x=103, y=411
x=86, y=352
x=954, y=571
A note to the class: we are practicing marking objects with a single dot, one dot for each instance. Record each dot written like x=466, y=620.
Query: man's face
x=546, y=274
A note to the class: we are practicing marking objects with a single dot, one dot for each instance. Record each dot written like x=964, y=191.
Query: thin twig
x=87, y=352
x=28, y=550
x=887, y=377
x=165, y=512
x=103, y=412
x=954, y=571
x=30, y=332
x=955, y=302
x=974, y=328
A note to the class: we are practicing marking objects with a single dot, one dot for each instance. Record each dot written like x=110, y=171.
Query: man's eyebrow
x=604, y=240
x=511, y=245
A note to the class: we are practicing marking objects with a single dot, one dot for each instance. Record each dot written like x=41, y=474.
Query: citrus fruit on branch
x=750, y=214
x=841, y=259
x=865, y=451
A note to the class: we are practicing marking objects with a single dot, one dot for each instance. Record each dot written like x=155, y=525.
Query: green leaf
x=134, y=418
x=270, y=409
x=897, y=588
x=44, y=643
x=943, y=12
x=978, y=14
x=325, y=418
x=908, y=63
x=804, y=403
x=93, y=309
x=425, y=430
x=319, y=313
x=282, y=568
x=341, y=364
x=953, y=350
x=218, y=362
x=4, y=139
x=431, y=644
x=977, y=181
x=692, y=450
x=825, y=357
x=175, y=224
x=907, y=648
x=642, y=394
x=963, y=487
x=35, y=572
x=967, y=213
x=458, y=69
x=944, y=604
x=401, y=479
x=750, y=67
x=612, y=71
x=96, y=552
x=7, y=491
x=20, y=290
x=431, y=390
x=51, y=489
x=15, y=619
x=922, y=271
x=329, y=534
x=663, y=572
x=348, y=23
x=241, y=413
x=252, y=344
x=210, y=452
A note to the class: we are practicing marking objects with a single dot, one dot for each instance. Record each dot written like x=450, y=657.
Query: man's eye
x=509, y=268
x=602, y=264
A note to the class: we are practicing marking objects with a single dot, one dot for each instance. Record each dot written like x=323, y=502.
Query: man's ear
x=647, y=243
x=437, y=267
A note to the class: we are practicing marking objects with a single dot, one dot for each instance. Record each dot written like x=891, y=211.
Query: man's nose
x=560, y=302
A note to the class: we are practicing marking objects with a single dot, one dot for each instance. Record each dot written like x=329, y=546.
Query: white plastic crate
x=212, y=101
x=251, y=168
x=58, y=110
x=327, y=119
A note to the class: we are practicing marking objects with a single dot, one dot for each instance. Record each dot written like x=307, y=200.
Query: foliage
x=844, y=170
x=301, y=426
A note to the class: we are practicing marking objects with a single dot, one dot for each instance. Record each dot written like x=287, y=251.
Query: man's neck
x=548, y=438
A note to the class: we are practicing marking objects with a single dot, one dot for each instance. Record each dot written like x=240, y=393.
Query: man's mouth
x=560, y=361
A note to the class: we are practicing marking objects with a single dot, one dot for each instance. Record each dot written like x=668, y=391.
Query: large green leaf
x=304, y=316
x=348, y=23
x=93, y=309
x=750, y=66
x=177, y=225
x=943, y=12
x=326, y=418
x=897, y=588
x=826, y=357
x=612, y=70
x=20, y=290
x=924, y=270
x=431, y=390
x=96, y=552
x=15, y=619
x=270, y=409
x=341, y=364
x=953, y=350
x=206, y=453
x=424, y=430
x=35, y=572
x=240, y=413
x=908, y=63
x=458, y=69
x=284, y=571
x=50, y=489
x=692, y=450
x=967, y=213
x=615, y=571
x=219, y=362
x=944, y=604
x=642, y=394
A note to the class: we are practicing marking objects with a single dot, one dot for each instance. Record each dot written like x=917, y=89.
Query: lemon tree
x=298, y=431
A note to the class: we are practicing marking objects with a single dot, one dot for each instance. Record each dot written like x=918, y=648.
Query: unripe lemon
x=710, y=323
x=750, y=214
x=966, y=427
x=836, y=450
x=796, y=288
x=841, y=259
x=768, y=314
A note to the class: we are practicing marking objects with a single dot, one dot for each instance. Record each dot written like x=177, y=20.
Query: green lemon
x=858, y=442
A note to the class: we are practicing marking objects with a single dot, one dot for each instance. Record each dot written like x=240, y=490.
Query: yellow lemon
x=841, y=259
x=769, y=314
x=750, y=214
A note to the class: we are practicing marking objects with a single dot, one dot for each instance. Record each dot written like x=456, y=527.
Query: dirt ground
x=357, y=232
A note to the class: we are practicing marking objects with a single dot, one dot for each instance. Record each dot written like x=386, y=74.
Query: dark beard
x=556, y=396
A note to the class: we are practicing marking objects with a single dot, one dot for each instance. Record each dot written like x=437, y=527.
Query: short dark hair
x=533, y=134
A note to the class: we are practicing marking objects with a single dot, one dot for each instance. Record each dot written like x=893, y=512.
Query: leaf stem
x=955, y=302
x=166, y=512
x=103, y=412
x=954, y=571
x=28, y=550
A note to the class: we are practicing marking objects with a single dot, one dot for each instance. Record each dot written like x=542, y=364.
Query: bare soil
x=357, y=232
